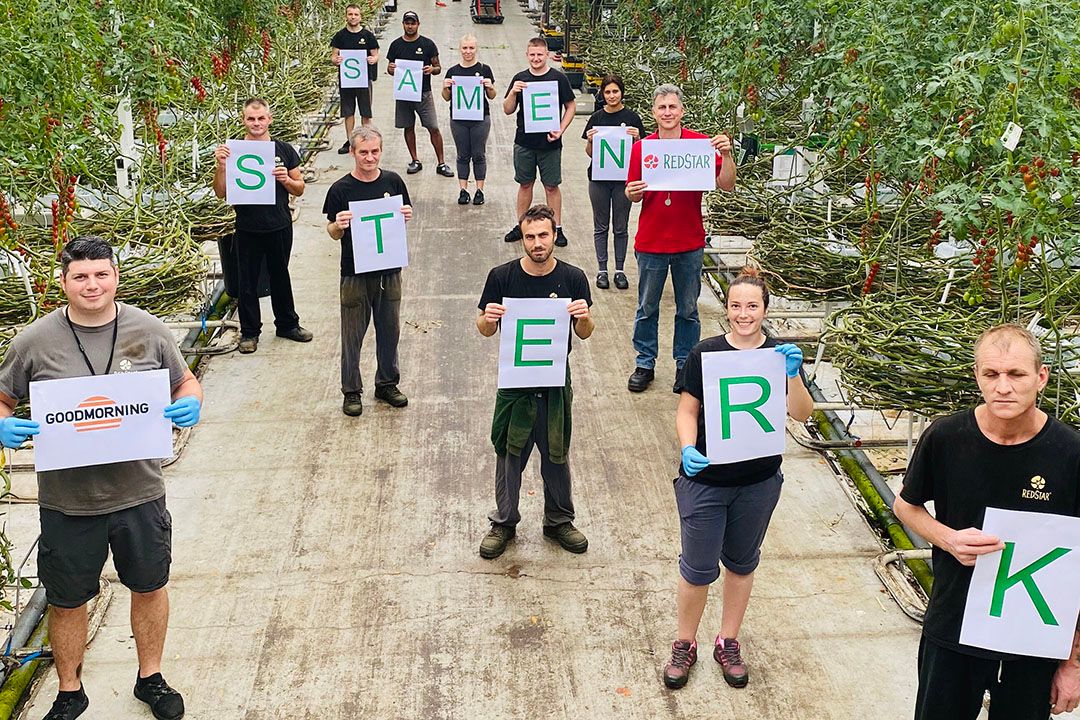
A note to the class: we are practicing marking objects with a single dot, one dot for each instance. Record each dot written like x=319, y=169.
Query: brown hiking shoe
x=569, y=537
x=727, y=653
x=683, y=656
x=494, y=543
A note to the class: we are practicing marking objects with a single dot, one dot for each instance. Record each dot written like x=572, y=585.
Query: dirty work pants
x=363, y=298
x=251, y=248
x=558, y=505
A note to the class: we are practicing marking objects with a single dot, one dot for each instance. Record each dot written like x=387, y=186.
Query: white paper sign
x=249, y=173
x=678, y=164
x=408, y=80
x=378, y=234
x=543, y=111
x=353, y=70
x=101, y=419
x=533, y=342
x=467, y=98
x=1023, y=599
x=611, y=153
x=745, y=395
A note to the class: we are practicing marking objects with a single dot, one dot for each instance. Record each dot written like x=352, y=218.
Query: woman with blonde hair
x=470, y=136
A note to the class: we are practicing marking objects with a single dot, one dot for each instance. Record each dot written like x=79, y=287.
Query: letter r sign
x=744, y=394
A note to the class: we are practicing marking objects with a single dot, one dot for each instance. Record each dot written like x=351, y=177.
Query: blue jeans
x=686, y=281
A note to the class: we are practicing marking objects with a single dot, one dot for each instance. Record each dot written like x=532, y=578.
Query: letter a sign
x=378, y=234
x=533, y=342
x=353, y=68
x=408, y=80
x=745, y=399
x=611, y=153
x=249, y=173
x=1023, y=599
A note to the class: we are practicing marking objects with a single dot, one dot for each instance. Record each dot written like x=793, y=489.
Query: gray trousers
x=471, y=136
x=609, y=201
x=364, y=296
x=558, y=505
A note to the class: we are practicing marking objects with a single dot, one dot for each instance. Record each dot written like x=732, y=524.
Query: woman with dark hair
x=611, y=208
x=725, y=509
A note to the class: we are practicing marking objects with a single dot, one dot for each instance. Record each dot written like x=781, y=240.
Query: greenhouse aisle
x=327, y=566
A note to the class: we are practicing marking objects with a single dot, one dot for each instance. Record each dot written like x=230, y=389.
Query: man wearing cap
x=414, y=46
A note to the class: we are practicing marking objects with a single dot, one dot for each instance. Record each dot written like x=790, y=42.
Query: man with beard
x=529, y=417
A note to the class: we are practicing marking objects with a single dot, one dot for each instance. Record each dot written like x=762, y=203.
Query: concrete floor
x=327, y=567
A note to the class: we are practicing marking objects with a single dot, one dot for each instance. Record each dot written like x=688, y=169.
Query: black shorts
x=952, y=685
x=73, y=549
x=353, y=98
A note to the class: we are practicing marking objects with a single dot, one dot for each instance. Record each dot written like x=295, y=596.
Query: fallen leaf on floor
x=624, y=691
x=531, y=493
x=513, y=572
x=533, y=619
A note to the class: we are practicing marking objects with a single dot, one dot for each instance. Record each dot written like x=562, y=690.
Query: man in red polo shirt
x=671, y=234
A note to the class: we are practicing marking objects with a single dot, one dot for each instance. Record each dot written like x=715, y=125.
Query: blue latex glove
x=15, y=431
x=793, y=356
x=693, y=462
x=184, y=412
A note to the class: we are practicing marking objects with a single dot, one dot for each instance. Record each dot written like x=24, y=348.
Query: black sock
x=70, y=693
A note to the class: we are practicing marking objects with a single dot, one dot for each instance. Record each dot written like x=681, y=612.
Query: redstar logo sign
x=651, y=162
x=96, y=412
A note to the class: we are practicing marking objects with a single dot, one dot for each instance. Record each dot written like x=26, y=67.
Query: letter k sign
x=1025, y=577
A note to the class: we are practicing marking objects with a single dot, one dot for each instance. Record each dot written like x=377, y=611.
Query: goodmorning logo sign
x=96, y=412
x=101, y=419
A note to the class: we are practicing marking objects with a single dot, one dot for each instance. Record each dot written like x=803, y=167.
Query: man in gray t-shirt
x=87, y=511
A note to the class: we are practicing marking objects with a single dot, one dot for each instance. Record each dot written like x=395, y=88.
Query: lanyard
x=82, y=350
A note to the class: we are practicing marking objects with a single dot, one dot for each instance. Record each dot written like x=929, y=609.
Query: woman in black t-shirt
x=607, y=196
x=724, y=510
x=470, y=136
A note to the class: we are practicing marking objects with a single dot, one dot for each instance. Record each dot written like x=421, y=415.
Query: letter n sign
x=744, y=394
x=533, y=342
x=611, y=153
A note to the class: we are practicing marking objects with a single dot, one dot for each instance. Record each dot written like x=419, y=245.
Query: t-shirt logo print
x=650, y=161
x=1036, y=492
x=125, y=365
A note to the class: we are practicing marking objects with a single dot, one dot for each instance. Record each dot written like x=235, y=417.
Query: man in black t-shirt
x=530, y=417
x=989, y=457
x=264, y=232
x=414, y=46
x=541, y=151
x=355, y=37
x=367, y=295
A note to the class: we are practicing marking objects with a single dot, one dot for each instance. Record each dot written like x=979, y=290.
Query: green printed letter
x=250, y=171
x=378, y=227
x=466, y=102
x=352, y=68
x=618, y=158
x=407, y=77
x=1004, y=581
x=727, y=408
x=540, y=101
x=520, y=341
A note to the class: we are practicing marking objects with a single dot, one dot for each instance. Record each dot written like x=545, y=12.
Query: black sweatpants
x=251, y=248
x=952, y=685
